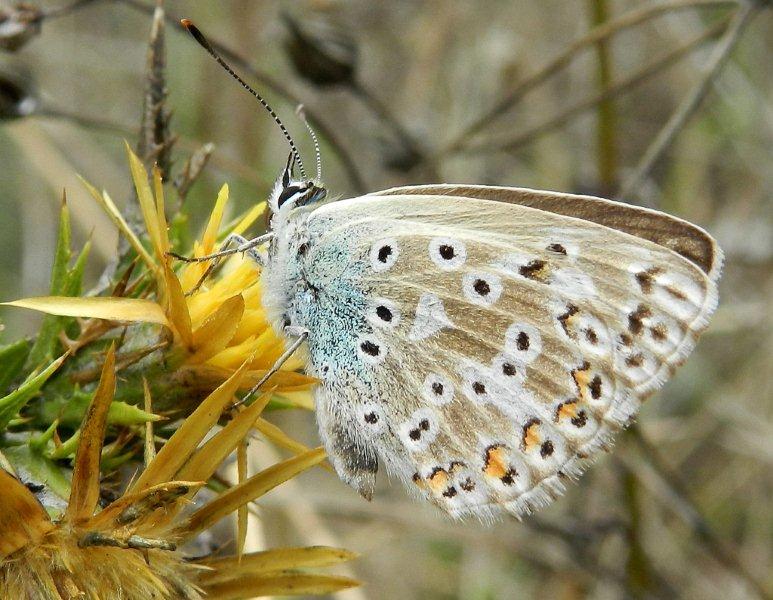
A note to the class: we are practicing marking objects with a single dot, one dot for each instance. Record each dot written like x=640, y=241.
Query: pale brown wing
x=491, y=348
x=678, y=235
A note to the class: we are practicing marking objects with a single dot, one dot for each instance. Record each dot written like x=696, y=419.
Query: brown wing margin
x=673, y=233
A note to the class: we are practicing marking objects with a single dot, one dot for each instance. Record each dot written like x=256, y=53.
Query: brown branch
x=596, y=35
x=690, y=104
x=156, y=140
x=686, y=509
x=346, y=159
x=624, y=85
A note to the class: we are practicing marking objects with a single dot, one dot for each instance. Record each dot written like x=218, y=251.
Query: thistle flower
x=130, y=548
x=211, y=326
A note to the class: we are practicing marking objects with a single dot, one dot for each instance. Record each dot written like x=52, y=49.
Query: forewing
x=494, y=347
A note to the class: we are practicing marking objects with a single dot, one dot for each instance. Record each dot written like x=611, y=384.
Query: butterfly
x=480, y=343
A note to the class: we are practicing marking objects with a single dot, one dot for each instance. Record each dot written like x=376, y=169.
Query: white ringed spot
x=383, y=313
x=383, y=254
x=447, y=253
x=420, y=430
x=438, y=390
x=523, y=342
x=371, y=349
x=372, y=419
x=508, y=370
x=481, y=288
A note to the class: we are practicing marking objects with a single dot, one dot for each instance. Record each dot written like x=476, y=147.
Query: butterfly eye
x=287, y=192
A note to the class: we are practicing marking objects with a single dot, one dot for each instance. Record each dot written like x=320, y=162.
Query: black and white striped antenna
x=199, y=37
x=302, y=114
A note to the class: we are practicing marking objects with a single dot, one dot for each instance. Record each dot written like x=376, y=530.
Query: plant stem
x=606, y=142
x=347, y=161
x=602, y=32
x=620, y=87
x=665, y=138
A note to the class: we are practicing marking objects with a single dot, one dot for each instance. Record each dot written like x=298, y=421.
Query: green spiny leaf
x=120, y=413
x=32, y=465
x=39, y=443
x=74, y=281
x=44, y=346
x=67, y=448
x=12, y=358
x=11, y=404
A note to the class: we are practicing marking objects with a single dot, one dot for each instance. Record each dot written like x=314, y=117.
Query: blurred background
x=663, y=103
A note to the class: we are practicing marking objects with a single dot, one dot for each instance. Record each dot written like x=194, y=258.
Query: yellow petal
x=276, y=559
x=177, y=307
x=208, y=458
x=253, y=488
x=248, y=219
x=279, y=584
x=281, y=439
x=146, y=202
x=295, y=398
x=116, y=217
x=210, y=233
x=219, y=328
x=22, y=518
x=241, y=512
x=163, y=234
x=184, y=441
x=134, y=310
x=85, y=477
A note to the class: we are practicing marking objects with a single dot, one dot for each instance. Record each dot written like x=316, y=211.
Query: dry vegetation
x=665, y=103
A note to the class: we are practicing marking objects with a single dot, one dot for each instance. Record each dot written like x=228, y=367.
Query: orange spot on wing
x=438, y=480
x=496, y=462
x=567, y=410
x=581, y=376
x=531, y=435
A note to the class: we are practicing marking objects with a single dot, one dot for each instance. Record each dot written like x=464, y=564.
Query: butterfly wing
x=684, y=238
x=482, y=350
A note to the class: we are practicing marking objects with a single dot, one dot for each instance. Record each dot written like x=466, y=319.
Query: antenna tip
x=187, y=23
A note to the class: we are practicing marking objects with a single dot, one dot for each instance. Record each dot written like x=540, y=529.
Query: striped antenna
x=199, y=37
x=302, y=114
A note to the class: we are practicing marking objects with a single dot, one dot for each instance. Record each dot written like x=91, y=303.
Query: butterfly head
x=290, y=192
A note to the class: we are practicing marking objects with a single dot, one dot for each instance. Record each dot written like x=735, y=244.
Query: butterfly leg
x=302, y=335
x=244, y=245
